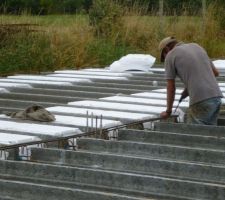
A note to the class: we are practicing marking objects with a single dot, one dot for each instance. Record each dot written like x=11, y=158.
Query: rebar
x=100, y=131
x=59, y=139
x=92, y=121
x=87, y=121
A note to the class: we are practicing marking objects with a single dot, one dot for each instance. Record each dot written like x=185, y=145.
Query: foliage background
x=45, y=35
x=74, y=6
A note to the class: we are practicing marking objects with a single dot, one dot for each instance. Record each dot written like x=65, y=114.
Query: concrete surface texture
x=169, y=162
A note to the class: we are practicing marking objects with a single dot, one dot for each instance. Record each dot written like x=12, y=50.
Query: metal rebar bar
x=59, y=139
x=87, y=122
x=92, y=121
x=96, y=125
x=100, y=131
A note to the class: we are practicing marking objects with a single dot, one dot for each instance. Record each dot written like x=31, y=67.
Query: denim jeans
x=205, y=112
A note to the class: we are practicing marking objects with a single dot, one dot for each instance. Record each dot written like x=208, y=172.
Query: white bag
x=219, y=64
x=134, y=62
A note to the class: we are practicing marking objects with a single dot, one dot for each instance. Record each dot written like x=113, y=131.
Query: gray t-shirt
x=192, y=65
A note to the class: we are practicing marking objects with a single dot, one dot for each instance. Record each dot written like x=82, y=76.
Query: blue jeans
x=205, y=112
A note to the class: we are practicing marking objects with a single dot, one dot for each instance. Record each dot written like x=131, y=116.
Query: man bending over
x=192, y=65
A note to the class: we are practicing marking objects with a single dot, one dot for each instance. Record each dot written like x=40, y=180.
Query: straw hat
x=163, y=44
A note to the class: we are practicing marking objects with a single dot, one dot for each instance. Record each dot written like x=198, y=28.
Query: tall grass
x=69, y=41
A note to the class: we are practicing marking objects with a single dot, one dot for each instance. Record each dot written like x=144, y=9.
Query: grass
x=45, y=20
x=68, y=41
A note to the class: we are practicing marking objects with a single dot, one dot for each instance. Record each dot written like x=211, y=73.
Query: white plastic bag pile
x=133, y=62
x=220, y=65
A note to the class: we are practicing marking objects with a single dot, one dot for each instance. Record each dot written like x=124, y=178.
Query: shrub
x=106, y=51
x=25, y=53
x=106, y=17
x=219, y=13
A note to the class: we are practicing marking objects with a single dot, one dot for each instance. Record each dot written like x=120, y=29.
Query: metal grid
x=23, y=151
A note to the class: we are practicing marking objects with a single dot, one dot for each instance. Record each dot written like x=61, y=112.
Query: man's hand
x=165, y=114
x=184, y=94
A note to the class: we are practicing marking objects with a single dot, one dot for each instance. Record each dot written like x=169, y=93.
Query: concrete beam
x=90, y=88
x=40, y=98
x=140, y=184
x=133, y=164
x=141, y=87
x=5, y=103
x=188, y=140
x=218, y=131
x=58, y=92
x=27, y=191
x=161, y=151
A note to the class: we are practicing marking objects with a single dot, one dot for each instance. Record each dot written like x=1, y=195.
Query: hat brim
x=166, y=43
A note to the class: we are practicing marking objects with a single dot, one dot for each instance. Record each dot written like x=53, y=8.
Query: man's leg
x=205, y=112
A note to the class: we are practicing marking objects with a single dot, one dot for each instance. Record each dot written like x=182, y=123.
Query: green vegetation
x=73, y=6
x=34, y=43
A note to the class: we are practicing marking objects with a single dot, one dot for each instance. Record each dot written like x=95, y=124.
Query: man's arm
x=170, y=98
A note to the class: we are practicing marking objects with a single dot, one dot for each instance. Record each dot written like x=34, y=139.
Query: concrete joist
x=168, y=161
x=131, y=164
x=164, y=151
x=111, y=180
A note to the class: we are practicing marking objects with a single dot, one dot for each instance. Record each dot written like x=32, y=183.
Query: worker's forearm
x=170, y=98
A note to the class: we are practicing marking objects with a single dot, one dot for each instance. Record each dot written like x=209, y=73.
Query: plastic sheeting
x=37, y=129
x=49, y=78
x=219, y=64
x=19, y=85
x=11, y=139
x=74, y=76
x=81, y=121
x=135, y=62
x=99, y=112
x=8, y=80
x=119, y=106
x=159, y=102
x=95, y=73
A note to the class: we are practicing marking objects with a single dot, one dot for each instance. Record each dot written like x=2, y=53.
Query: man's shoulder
x=194, y=44
x=176, y=50
x=183, y=45
x=181, y=49
x=191, y=45
x=186, y=47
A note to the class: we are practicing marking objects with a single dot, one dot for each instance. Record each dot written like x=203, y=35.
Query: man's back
x=191, y=63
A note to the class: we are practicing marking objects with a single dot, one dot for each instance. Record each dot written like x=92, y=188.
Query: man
x=192, y=65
